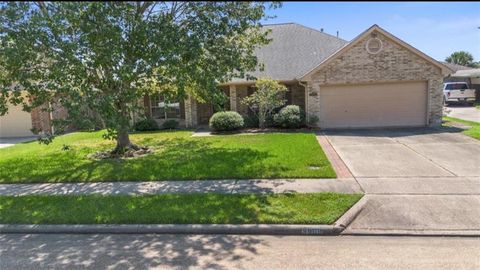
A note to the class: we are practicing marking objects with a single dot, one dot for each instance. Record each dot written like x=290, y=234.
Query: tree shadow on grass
x=105, y=251
x=174, y=159
x=208, y=208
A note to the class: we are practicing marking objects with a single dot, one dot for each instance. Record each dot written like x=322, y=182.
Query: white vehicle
x=457, y=92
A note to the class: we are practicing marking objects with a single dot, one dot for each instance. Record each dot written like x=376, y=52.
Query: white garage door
x=16, y=123
x=373, y=105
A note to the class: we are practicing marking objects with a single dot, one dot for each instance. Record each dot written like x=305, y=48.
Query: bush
x=250, y=121
x=313, y=120
x=226, y=121
x=147, y=124
x=170, y=124
x=289, y=116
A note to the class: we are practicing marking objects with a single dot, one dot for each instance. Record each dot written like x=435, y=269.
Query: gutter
x=257, y=229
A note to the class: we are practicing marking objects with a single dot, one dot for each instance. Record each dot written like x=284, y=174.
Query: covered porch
x=191, y=113
x=201, y=112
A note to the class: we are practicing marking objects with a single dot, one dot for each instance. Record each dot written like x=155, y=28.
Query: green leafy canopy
x=461, y=58
x=98, y=59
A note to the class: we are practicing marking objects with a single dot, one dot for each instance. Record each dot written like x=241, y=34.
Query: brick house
x=18, y=123
x=375, y=80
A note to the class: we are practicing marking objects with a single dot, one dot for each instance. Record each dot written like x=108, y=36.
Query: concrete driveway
x=422, y=181
x=464, y=112
x=407, y=153
x=6, y=142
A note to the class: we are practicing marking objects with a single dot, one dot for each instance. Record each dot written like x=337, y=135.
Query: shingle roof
x=294, y=50
x=455, y=67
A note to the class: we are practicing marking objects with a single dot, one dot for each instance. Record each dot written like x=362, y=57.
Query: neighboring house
x=18, y=123
x=375, y=80
x=465, y=74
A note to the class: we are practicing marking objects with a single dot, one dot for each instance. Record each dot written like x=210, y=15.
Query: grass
x=178, y=156
x=317, y=208
x=473, y=132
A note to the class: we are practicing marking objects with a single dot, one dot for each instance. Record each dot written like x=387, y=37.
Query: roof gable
x=362, y=36
x=294, y=50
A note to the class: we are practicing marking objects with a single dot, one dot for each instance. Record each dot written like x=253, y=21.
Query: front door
x=204, y=112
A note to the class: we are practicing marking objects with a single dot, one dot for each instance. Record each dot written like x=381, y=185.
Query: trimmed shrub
x=289, y=116
x=147, y=124
x=226, y=121
x=170, y=124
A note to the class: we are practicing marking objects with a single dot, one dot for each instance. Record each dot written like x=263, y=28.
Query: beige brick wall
x=393, y=64
x=190, y=112
x=41, y=119
x=233, y=97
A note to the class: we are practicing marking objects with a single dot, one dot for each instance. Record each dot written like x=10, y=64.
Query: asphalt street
x=60, y=251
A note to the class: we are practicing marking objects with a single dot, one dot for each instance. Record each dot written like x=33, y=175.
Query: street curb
x=351, y=214
x=263, y=229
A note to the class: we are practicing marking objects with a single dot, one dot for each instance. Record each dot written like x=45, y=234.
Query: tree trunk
x=123, y=142
x=123, y=139
x=261, y=121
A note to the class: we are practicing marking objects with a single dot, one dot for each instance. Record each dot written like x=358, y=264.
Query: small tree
x=461, y=58
x=268, y=96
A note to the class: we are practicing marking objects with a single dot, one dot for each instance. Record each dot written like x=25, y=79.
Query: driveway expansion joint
x=429, y=159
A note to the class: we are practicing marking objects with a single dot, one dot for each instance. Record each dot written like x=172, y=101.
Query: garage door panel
x=16, y=123
x=373, y=105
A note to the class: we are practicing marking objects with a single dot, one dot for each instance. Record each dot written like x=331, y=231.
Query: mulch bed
x=131, y=153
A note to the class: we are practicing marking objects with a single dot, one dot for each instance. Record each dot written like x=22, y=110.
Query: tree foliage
x=461, y=58
x=103, y=57
x=268, y=96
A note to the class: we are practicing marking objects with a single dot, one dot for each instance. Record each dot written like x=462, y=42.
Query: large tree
x=461, y=58
x=103, y=57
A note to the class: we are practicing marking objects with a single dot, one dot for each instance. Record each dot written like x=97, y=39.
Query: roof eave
x=284, y=81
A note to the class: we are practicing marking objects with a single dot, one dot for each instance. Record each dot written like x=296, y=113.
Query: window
x=164, y=109
x=456, y=86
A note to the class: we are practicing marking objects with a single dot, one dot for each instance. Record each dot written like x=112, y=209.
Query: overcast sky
x=436, y=28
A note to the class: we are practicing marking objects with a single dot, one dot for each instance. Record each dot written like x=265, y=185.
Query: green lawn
x=473, y=132
x=177, y=157
x=317, y=208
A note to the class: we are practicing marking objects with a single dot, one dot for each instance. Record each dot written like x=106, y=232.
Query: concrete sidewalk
x=416, y=215
x=200, y=186
x=466, y=113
